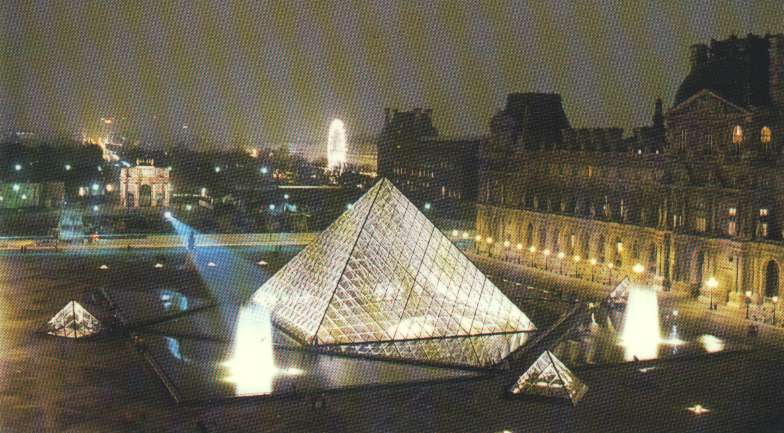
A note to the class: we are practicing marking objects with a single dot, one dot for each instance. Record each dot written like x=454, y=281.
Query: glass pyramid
x=621, y=292
x=383, y=281
x=73, y=321
x=549, y=377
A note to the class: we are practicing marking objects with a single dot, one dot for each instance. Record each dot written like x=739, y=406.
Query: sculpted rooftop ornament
x=382, y=281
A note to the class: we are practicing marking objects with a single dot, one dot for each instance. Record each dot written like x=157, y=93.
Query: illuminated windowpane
x=765, y=135
x=737, y=134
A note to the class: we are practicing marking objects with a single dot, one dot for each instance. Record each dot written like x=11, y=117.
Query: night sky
x=244, y=72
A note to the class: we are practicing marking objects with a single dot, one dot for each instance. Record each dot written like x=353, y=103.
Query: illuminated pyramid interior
x=73, y=321
x=382, y=281
x=549, y=377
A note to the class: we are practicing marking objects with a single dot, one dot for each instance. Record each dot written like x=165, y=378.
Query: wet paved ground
x=103, y=385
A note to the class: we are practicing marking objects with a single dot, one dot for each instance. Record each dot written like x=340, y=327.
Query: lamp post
x=532, y=250
x=506, y=250
x=546, y=253
x=489, y=241
x=638, y=269
x=576, y=266
x=712, y=283
x=561, y=256
x=593, y=263
x=748, y=302
x=609, y=274
x=775, y=300
x=519, y=253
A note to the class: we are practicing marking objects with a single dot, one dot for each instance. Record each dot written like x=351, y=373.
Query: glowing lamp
x=638, y=268
x=167, y=215
x=561, y=255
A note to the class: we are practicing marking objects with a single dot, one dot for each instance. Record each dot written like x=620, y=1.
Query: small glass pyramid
x=549, y=377
x=73, y=321
x=383, y=281
x=621, y=292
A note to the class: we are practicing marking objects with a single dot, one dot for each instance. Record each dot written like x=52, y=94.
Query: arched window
x=600, y=249
x=765, y=137
x=653, y=258
x=772, y=279
x=586, y=249
x=737, y=134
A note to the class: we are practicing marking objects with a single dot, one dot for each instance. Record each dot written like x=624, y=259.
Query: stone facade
x=144, y=186
x=697, y=194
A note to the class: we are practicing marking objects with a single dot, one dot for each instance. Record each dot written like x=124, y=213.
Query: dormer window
x=765, y=137
x=737, y=134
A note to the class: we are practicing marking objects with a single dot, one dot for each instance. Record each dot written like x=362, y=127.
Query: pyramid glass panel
x=382, y=273
x=549, y=377
x=73, y=321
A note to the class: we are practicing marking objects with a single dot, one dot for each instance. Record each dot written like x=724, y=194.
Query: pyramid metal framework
x=382, y=281
x=73, y=321
x=549, y=377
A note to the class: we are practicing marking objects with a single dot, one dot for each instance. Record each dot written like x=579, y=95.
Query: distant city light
x=167, y=215
x=24, y=196
x=349, y=206
x=285, y=196
x=204, y=192
x=188, y=207
x=465, y=235
x=427, y=206
x=99, y=168
x=272, y=207
x=109, y=187
x=264, y=170
x=95, y=187
x=18, y=167
x=15, y=187
x=698, y=409
x=95, y=208
x=67, y=167
x=455, y=233
x=217, y=169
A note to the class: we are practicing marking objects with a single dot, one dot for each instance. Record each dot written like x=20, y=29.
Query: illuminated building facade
x=696, y=194
x=145, y=185
x=383, y=282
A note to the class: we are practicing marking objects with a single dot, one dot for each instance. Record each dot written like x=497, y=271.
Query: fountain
x=336, y=146
x=641, y=334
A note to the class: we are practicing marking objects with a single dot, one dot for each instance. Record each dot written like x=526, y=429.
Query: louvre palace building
x=694, y=202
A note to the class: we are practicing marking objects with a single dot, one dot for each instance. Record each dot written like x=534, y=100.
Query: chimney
x=698, y=54
x=776, y=70
x=658, y=115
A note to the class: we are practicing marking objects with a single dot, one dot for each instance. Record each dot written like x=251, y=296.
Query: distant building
x=423, y=165
x=17, y=195
x=145, y=186
x=697, y=196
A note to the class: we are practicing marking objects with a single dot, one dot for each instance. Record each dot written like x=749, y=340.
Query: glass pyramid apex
x=381, y=279
x=73, y=321
x=549, y=377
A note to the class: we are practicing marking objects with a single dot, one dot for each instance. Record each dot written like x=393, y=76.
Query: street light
x=561, y=256
x=609, y=274
x=546, y=253
x=712, y=283
x=748, y=302
x=593, y=264
x=638, y=268
x=775, y=300
x=576, y=266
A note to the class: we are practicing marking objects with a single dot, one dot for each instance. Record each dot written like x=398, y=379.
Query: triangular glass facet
x=549, y=377
x=382, y=273
x=73, y=321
